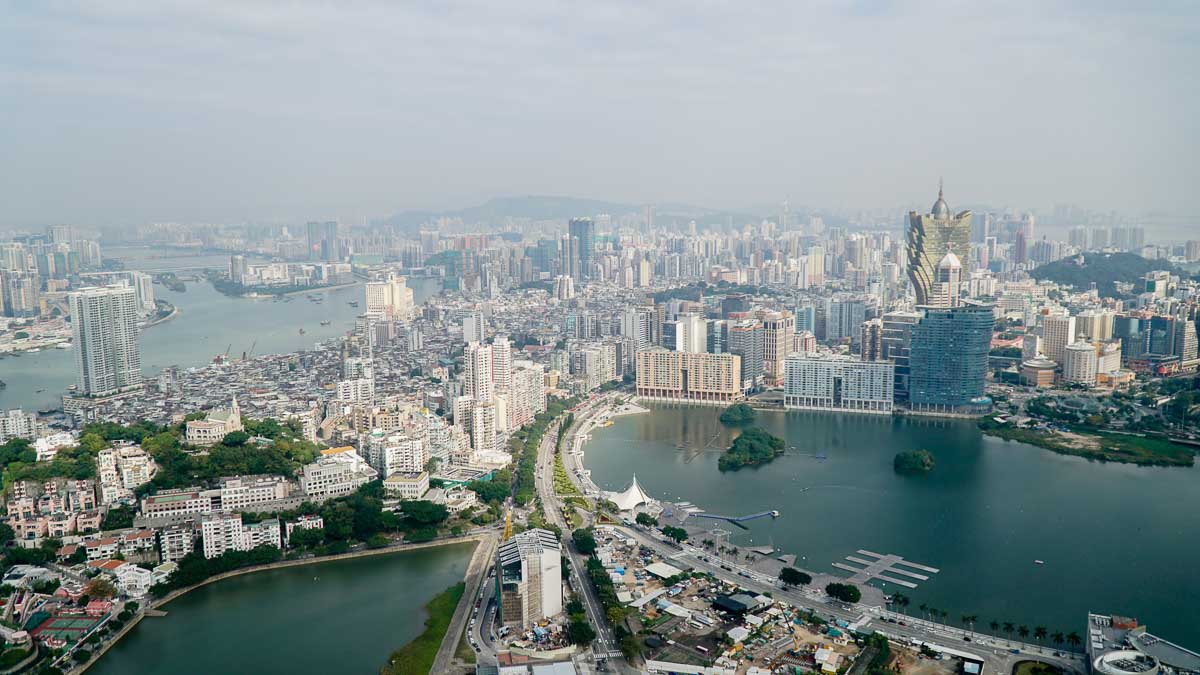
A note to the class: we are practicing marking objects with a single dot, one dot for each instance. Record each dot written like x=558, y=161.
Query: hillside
x=1102, y=269
x=543, y=207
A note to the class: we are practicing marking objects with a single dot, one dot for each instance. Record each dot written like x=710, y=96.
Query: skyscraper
x=477, y=371
x=929, y=238
x=104, y=321
x=583, y=230
x=949, y=359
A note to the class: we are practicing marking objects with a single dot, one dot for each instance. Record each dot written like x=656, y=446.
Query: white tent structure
x=633, y=497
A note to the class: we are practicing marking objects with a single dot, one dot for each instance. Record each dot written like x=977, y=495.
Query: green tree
x=580, y=632
x=646, y=520
x=1023, y=631
x=677, y=533
x=585, y=543
x=844, y=592
x=738, y=414
x=1040, y=633
x=235, y=439
x=794, y=577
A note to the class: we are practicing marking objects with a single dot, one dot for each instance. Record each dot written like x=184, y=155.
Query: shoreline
x=281, y=564
x=1061, y=444
x=175, y=311
x=255, y=295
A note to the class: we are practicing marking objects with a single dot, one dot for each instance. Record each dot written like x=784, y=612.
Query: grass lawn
x=464, y=651
x=1103, y=446
x=1035, y=668
x=416, y=657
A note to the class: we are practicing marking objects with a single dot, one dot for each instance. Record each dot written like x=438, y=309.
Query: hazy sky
x=128, y=112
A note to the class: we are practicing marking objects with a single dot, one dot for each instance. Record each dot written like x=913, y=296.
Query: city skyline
x=225, y=114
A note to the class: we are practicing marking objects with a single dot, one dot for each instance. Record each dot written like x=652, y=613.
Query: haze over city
x=123, y=113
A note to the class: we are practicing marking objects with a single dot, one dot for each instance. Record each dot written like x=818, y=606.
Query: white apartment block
x=302, y=523
x=176, y=503
x=825, y=381
x=223, y=532
x=19, y=424
x=175, y=542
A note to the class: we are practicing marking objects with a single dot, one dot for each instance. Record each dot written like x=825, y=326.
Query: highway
x=995, y=652
x=605, y=645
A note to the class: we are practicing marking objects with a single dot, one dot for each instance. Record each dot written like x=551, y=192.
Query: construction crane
x=246, y=356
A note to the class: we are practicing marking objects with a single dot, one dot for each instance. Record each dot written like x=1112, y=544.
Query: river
x=1114, y=537
x=344, y=616
x=208, y=323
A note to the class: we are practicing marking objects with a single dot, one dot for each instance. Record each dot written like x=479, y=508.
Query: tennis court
x=67, y=628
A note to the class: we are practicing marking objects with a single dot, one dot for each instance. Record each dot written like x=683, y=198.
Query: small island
x=738, y=414
x=913, y=461
x=754, y=447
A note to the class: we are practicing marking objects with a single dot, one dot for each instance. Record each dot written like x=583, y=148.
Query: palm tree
x=1008, y=628
x=945, y=615
x=1058, y=637
x=994, y=625
x=1040, y=633
x=1073, y=639
x=923, y=607
x=1023, y=631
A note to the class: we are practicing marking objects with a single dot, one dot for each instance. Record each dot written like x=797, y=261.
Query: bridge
x=736, y=520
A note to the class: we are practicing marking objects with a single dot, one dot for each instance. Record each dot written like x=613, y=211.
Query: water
x=208, y=324
x=346, y=620
x=1115, y=538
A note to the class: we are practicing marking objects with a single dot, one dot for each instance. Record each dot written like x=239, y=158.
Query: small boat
x=63, y=345
x=34, y=350
x=3, y=384
x=353, y=303
x=39, y=391
x=326, y=322
x=1039, y=562
x=302, y=331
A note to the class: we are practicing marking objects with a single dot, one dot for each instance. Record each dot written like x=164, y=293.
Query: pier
x=885, y=567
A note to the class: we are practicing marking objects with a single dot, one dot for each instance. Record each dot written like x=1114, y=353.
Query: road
x=605, y=645
x=477, y=569
x=995, y=652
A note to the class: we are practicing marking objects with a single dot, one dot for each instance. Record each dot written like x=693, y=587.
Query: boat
x=39, y=391
x=3, y=384
x=63, y=345
x=352, y=303
x=1039, y=562
x=302, y=331
x=34, y=350
x=326, y=322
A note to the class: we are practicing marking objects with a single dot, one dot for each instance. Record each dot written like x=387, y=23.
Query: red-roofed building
x=98, y=607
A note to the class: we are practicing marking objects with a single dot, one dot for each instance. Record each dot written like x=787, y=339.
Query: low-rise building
x=176, y=503
x=335, y=475
x=133, y=580
x=406, y=485
x=302, y=523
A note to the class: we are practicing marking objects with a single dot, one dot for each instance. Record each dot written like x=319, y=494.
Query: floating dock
x=885, y=567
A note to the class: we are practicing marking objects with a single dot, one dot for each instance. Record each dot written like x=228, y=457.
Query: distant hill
x=1102, y=269
x=546, y=207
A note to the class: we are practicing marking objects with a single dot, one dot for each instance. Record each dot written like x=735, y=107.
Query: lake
x=1114, y=537
x=344, y=616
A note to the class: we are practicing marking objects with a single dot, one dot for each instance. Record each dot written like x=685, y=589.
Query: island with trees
x=914, y=461
x=754, y=447
x=738, y=414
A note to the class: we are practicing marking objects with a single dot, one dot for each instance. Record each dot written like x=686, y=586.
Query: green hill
x=1102, y=269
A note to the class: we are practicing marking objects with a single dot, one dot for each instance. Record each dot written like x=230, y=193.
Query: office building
x=107, y=356
x=687, y=376
x=929, y=238
x=949, y=360
x=826, y=381
x=529, y=577
x=895, y=346
x=582, y=233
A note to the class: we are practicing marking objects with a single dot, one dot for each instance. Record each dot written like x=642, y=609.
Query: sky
x=115, y=113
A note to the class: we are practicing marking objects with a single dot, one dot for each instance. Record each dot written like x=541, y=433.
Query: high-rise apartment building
x=746, y=341
x=477, y=372
x=929, y=238
x=390, y=297
x=104, y=323
x=691, y=333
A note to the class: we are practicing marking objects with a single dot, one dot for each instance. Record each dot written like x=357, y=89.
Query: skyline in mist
x=124, y=113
